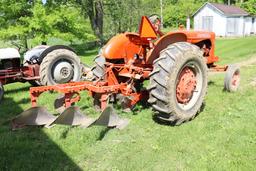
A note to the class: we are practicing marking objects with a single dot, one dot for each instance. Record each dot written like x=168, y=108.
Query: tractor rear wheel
x=1, y=92
x=60, y=66
x=178, y=83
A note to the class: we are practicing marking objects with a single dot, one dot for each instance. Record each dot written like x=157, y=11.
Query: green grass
x=222, y=137
x=235, y=50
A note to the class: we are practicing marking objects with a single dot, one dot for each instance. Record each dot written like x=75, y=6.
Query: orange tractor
x=176, y=65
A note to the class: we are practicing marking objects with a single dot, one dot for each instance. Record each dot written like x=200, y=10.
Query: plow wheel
x=60, y=66
x=232, y=78
x=1, y=92
x=178, y=83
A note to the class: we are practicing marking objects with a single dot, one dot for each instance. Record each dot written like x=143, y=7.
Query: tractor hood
x=122, y=46
x=9, y=53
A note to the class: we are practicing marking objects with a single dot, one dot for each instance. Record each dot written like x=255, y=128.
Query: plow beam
x=70, y=89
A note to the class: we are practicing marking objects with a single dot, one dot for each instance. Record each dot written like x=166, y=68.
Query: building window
x=207, y=23
x=231, y=25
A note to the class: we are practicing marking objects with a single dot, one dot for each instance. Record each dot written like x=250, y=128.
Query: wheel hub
x=235, y=79
x=63, y=72
x=186, y=85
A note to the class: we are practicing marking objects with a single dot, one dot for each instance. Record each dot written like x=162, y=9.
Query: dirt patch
x=253, y=82
x=247, y=62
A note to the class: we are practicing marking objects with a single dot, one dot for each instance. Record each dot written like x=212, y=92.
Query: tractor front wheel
x=178, y=83
x=232, y=78
x=60, y=66
x=1, y=92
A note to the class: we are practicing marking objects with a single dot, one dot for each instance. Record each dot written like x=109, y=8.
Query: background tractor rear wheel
x=178, y=83
x=60, y=66
x=1, y=92
x=232, y=78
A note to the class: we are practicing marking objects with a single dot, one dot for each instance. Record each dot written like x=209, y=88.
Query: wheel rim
x=235, y=79
x=62, y=72
x=189, y=85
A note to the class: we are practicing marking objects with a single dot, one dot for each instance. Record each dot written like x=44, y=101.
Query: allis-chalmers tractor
x=43, y=65
x=176, y=65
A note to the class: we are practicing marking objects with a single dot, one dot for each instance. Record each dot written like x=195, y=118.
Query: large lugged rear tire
x=60, y=66
x=178, y=83
x=1, y=92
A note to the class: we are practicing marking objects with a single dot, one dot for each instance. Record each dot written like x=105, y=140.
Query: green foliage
x=40, y=22
x=88, y=20
x=175, y=15
x=121, y=16
x=249, y=6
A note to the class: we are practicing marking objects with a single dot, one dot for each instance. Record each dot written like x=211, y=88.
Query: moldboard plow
x=69, y=115
x=176, y=65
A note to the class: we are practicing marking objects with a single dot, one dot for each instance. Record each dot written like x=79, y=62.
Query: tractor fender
x=163, y=42
x=50, y=49
x=9, y=53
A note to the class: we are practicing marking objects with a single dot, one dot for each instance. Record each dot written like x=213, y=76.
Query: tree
x=176, y=14
x=33, y=20
x=249, y=6
x=121, y=16
x=94, y=10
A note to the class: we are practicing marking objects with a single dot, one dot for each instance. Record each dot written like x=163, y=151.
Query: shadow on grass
x=30, y=148
x=13, y=91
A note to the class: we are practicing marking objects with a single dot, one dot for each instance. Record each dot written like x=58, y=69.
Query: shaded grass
x=222, y=137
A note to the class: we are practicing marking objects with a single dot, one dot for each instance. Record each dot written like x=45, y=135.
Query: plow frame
x=71, y=91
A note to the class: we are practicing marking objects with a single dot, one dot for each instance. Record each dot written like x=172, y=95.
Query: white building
x=224, y=20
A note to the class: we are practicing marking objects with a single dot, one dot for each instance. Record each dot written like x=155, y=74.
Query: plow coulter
x=176, y=65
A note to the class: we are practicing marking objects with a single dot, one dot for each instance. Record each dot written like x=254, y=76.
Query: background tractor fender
x=162, y=43
x=52, y=48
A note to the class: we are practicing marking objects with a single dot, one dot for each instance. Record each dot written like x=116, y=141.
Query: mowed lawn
x=222, y=137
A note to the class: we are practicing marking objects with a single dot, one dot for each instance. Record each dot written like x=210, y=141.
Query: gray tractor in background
x=42, y=65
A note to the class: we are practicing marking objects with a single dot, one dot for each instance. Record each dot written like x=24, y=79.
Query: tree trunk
x=25, y=43
x=94, y=10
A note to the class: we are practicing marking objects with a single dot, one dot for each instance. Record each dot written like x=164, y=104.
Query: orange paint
x=147, y=30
